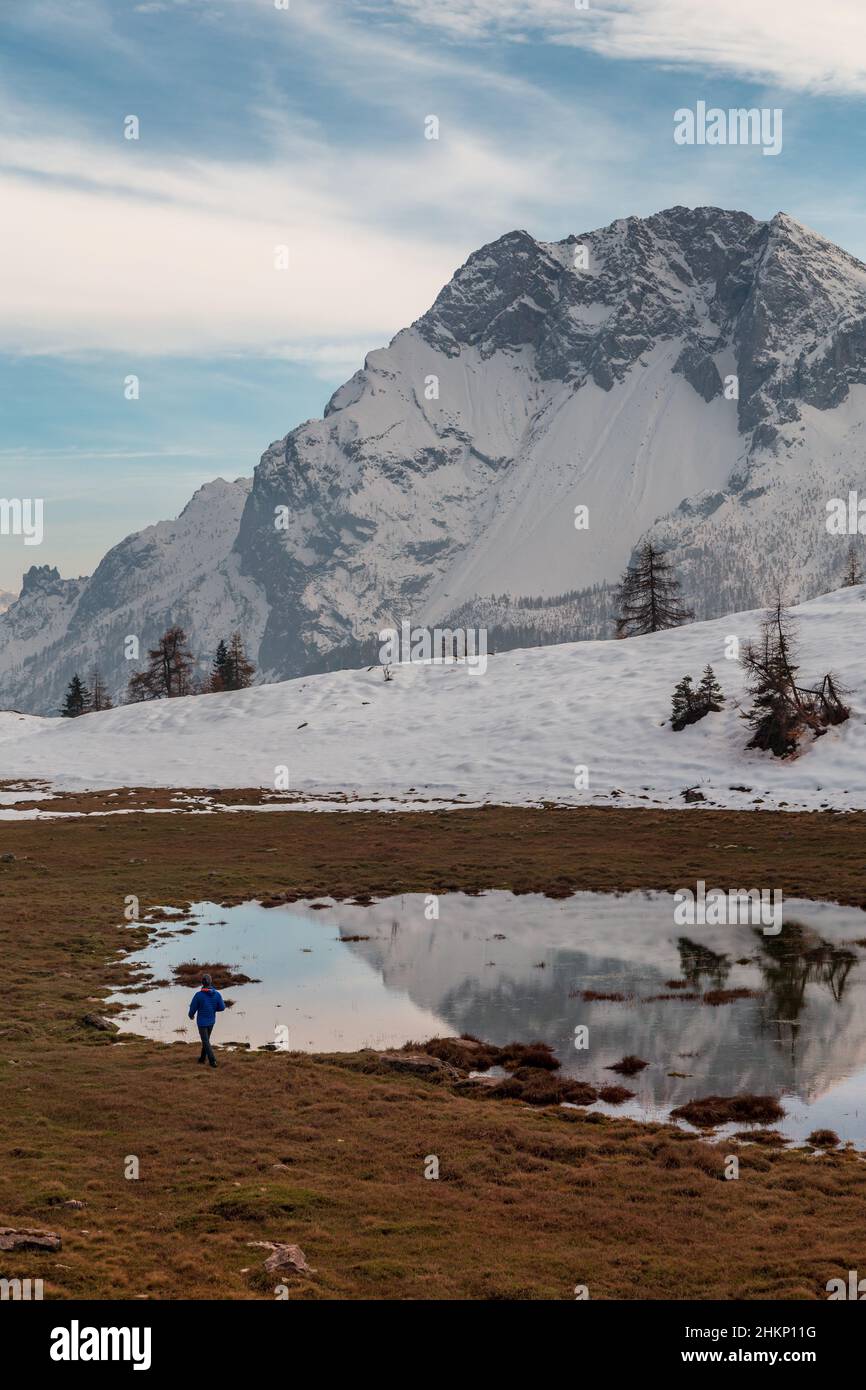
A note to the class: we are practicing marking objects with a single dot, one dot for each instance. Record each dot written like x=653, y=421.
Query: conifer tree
x=220, y=668
x=853, y=568
x=682, y=703
x=169, y=672
x=771, y=665
x=688, y=704
x=99, y=696
x=76, y=700
x=648, y=596
x=782, y=708
x=239, y=669
x=710, y=695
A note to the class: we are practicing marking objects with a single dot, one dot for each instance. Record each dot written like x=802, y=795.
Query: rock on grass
x=283, y=1257
x=27, y=1239
x=100, y=1023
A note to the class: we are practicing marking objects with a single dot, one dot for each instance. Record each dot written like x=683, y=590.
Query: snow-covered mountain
x=181, y=571
x=696, y=374
x=515, y=732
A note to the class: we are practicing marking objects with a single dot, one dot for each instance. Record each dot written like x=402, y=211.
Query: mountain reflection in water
x=505, y=967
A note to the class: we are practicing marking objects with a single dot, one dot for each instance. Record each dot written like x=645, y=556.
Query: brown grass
x=614, y=1095
x=770, y=1137
x=189, y=973
x=471, y=1054
x=629, y=1066
x=718, y=1110
x=540, y=1088
x=318, y=1152
x=824, y=1138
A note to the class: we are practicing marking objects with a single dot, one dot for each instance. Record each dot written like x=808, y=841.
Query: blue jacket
x=207, y=1004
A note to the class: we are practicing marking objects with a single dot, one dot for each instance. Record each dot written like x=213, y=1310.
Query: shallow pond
x=505, y=967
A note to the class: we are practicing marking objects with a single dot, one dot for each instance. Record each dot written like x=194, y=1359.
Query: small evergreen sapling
x=688, y=704
x=710, y=692
x=682, y=703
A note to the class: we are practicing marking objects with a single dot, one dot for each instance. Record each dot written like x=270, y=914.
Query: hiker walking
x=205, y=1006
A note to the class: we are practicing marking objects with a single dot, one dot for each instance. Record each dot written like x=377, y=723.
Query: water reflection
x=504, y=967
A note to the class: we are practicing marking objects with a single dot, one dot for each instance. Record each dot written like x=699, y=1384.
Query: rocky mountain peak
x=41, y=579
x=692, y=374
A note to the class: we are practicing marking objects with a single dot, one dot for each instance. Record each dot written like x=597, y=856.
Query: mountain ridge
x=443, y=477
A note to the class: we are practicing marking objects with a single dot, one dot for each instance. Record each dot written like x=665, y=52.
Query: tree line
x=171, y=672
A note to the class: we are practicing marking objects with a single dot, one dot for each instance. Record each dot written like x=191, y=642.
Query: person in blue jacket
x=205, y=1006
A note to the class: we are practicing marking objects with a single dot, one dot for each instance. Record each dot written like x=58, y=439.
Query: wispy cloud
x=174, y=253
x=179, y=255
x=792, y=43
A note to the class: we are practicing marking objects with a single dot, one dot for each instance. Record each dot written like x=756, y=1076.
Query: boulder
x=419, y=1064
x=282, y=1256
x=28, y=1239
x=96, y=1021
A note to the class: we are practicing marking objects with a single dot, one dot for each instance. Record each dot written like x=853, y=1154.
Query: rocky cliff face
x=697, y=374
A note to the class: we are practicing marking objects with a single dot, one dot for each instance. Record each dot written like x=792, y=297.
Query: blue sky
x=304, y=127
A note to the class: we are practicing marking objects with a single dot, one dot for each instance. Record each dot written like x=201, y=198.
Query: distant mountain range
x=697, y=375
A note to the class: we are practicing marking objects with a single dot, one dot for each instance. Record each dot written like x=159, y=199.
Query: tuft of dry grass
x=189, y=973
x=709, y=1111
x=629, y=1065
x=770, y=1137
x=471, y=1054
x=614, y=1095
x=824, y=1139
x=541, y=1088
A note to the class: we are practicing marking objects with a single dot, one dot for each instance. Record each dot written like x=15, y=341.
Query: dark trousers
x=206, y=1049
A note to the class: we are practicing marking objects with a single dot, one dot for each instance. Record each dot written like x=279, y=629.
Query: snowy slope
x=513, y=734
